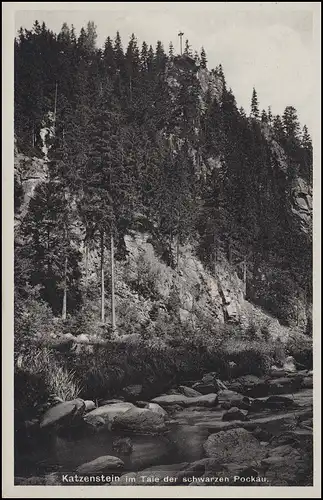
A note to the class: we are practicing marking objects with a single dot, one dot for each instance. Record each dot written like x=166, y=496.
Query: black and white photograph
x=163, y=175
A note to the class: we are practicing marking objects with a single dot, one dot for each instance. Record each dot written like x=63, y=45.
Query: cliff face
x=149, y=292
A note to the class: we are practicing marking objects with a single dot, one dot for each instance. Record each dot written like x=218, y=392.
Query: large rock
x=204, y=388
x=278, y=402
x=155, y=408
x=104, y=464
x=140, y=420
x=209, y=384
x=104, y=415
x=207, y=400
x=285, y=385
x=285, y=466
x=235, y=414
x=189, y=392
x=234, y=446
x=274, y=424
x=89, y=405
x=63, y=412
x=229, y=398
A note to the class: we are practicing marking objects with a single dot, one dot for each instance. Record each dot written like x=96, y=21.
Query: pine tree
x=264, y=116
x=291, y=125
x=160, y=58
x=187, y=49
x=279, y=132
x=269, y=115
x=306, y=139
x=108, y=57
x=150, y=58
x=203, y=58
x=171, y=51
x=144, y=57
x=91, y=36
x=254, y=105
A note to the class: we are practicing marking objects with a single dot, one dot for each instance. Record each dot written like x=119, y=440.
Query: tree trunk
x=102, y=278
x=215, y=253
x=113, y=318
x=244, y=277
x=86, y=268
x=230, y=252
x=64, y=308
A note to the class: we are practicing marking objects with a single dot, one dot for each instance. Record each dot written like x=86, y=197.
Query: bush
x=145, y=279
x=250, y=357
x=300, y=346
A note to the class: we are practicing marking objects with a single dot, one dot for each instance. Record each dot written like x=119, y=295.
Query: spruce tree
x=203, y=58
x=254, y=105
x=171, y=51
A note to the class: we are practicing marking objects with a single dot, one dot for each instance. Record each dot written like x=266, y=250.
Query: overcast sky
x=270, y=48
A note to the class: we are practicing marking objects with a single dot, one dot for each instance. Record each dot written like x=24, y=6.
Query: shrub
x=145, y=279
x=265, y=330
x=300, y=346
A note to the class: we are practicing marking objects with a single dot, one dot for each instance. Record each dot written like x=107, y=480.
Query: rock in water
x=62, y=412
x=234, y=446
x=230, y=397
x=154, y=407
x=104, y=415
x=189, y=392
x=140, y=420
x=89, y=405
x=207, y=400
x=104, y=464
x=235, y=414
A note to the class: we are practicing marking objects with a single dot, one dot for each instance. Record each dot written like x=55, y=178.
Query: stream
x=187, y=430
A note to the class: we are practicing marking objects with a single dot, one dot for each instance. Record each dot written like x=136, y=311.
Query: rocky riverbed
x=251, y=431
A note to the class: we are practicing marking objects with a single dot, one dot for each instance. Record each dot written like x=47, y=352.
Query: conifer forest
x=163, y=267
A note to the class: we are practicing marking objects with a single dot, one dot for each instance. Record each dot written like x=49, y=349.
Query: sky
x=268, y=46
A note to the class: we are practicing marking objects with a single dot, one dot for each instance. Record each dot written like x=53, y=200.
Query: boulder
x=284, y=385
x=104, y=464
x=89, y=405
x=63, y=412
x=104, y=415
x=207, y=400
x=141, y=404
x=273, y=424
x=234, y=446
x=140, y=420
x=209, y=384
x=154, y=407
x=230, y=398
x=285, y=466
x=189, y=392
x=278, y=402
x=235, y=414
